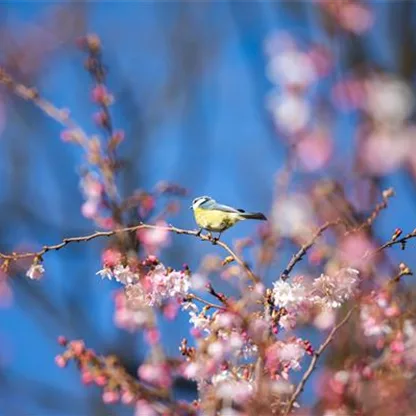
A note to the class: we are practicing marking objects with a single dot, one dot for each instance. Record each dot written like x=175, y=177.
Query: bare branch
x=315, y=359
x=303, y=250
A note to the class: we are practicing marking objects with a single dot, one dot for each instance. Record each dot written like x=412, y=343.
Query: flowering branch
x=31, y=94
x=106, y=372
x=315, y=359
x=204, y=237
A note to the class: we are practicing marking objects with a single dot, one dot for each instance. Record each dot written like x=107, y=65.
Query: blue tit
x=211, y=216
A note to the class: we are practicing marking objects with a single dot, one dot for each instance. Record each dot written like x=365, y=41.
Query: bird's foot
x=198, y=234
x=216, y=239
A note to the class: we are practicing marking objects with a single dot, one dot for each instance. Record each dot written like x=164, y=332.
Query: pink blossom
x=127, y=397
x=333, y=291
x=157, y=374
x=355, y=17
x=101, y=380
x=60, y=361
x=111, y=257
x=91, y=186
x=314, y=151
x=110, y=396
x=353, y=248
x=285, y=354
x=171, y=309
x=99, y=94
x=238, y=390
x=144, y=408
x=152, y=336
x=154, y=238
x=87, y=377
x=89, y=209
x=383, y=152
x=78, y=347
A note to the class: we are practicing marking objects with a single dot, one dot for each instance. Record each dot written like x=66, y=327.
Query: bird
x=211, y=216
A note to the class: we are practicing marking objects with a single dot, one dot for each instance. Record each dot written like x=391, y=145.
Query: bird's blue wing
x=211, y=204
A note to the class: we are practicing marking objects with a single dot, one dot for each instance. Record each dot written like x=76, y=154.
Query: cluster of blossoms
x=299, y=296
x=151, y=282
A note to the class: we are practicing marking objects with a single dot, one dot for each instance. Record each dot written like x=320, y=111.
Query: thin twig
x=303, y=250
x=31, y=94
x=192, y=296
x=314, y=361
x=66, y=241
x=402, y=241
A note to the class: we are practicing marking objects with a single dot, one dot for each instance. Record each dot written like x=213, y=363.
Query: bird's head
x=199, y=201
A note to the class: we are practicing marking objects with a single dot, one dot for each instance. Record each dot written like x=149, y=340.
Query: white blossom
x=35, y=272
x=286, y=294
x=123, y=274
x=105, y=273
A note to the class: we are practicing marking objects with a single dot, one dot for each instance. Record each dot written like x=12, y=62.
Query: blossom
x=161, y=284
x=35, y=271
x=292, y=215
x=286, y=355
x=332, y=291
x=154, y=238
x=290, y=354
x=105, y=273
x=123, y=274
x=131, y=312
x=291, y=112
x=287, y=294
x=144, y=408
x=291, y=67
x=389, y=100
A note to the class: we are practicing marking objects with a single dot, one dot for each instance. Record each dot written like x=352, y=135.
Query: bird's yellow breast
x=214, y=220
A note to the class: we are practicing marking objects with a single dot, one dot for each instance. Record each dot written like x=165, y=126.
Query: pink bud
x=62, y=340
x=89, y=209
x=152, y=336
x=60, y=361
x=67, y=136
x=397, y=346
x=78, y=347
x=127, y=397
x=87, y=377
x=196, y=333
x=101, y=380
x=99, y=94
x=110, y=396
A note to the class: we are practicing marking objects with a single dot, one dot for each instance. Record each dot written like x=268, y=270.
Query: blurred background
x=214, y=96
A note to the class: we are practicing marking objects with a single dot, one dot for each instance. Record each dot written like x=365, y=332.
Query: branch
x=171, y=228
x=314, y=361
x=392, y=242
x=31, y=94
x=303, y=250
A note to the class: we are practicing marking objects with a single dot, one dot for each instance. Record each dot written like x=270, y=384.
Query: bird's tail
x=253, y=216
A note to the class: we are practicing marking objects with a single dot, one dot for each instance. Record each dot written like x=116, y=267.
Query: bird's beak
x=190, y=207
